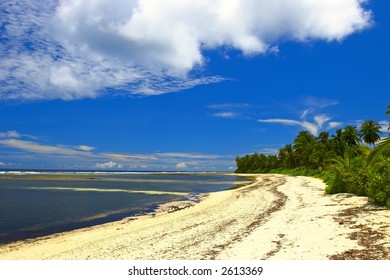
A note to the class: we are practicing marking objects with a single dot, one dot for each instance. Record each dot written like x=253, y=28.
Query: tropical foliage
x=369, y=131
x=344, y=160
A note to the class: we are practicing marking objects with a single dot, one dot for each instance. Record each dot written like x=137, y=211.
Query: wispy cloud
x=320, y=103
x=34, y=147
x=229, y=106
x=73, y=49
x=307, y=112
x=85, y=148
x=334, y=125
x=384, y=126
x=319, y=122
x=226, y=115
x=10, y=134
x=15, y=134
x=311, y=118
x=85, y=156
x=82, y=151
x=230, y=110
x=127, y=157
x=187, y=155
x=312, y=127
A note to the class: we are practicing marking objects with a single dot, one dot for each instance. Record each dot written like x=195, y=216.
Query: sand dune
x=276, y=217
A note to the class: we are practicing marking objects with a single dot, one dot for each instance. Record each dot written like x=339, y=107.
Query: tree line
x=344, y=160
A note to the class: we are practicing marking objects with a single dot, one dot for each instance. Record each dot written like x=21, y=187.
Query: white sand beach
x=275, y=217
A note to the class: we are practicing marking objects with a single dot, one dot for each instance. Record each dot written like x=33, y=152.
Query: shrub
x=378, y=182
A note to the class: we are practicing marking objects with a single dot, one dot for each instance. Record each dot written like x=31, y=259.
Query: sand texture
x=276, y=217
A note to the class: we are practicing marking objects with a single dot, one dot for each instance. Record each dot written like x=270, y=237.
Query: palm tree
x=323, y=137
x=338, y=143
x=351, y=135
x=342, y=166
x=304, y=147
x=286, y=155
x=370, y=132
x=383, y=147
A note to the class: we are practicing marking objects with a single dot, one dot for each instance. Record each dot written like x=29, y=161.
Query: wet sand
x=275, y=217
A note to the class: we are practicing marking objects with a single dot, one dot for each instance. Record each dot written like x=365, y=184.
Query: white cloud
x=108, y=165
x=226, y=115
x=320, y=120
x=85, y=148
x=83, y=151
x=230, y=110
x=2, y=163
x=384, y=126
x=316, y=102
x=181, y=165
x=34, y=147
x=127, y=157
x=306, y=112
x=313, y=127
x=334, y=125
x=10, y=134
x=71, y=49
x=85, y=156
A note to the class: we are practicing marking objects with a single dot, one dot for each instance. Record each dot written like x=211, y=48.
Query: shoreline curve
x=274, y=217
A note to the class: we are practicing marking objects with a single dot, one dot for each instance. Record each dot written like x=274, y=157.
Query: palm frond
x=383, y=146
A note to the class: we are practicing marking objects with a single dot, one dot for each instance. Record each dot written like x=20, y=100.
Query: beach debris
x=188, y=201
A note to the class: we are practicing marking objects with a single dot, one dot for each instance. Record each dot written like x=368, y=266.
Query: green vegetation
x=344, y=161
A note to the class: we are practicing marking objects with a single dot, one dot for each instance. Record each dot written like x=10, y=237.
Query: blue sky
x=183, y=85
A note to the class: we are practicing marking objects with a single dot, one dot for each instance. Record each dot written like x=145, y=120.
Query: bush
x=378, y=182
x=346, y=175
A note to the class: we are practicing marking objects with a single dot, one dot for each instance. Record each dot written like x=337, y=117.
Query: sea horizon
x=111, y=171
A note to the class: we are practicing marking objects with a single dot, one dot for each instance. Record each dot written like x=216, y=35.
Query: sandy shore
x=276, y=217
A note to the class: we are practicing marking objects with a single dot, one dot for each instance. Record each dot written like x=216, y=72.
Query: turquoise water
x=36, y=204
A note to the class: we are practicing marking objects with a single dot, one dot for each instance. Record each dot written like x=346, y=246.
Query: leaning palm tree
x=382, y=148
x=370, y=132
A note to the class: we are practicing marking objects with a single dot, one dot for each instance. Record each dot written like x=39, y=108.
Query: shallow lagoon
x=39, y=203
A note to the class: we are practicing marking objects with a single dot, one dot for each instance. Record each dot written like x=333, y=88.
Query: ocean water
x=35, y=204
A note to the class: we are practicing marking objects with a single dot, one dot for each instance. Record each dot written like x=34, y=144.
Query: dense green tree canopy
x=346, y=164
